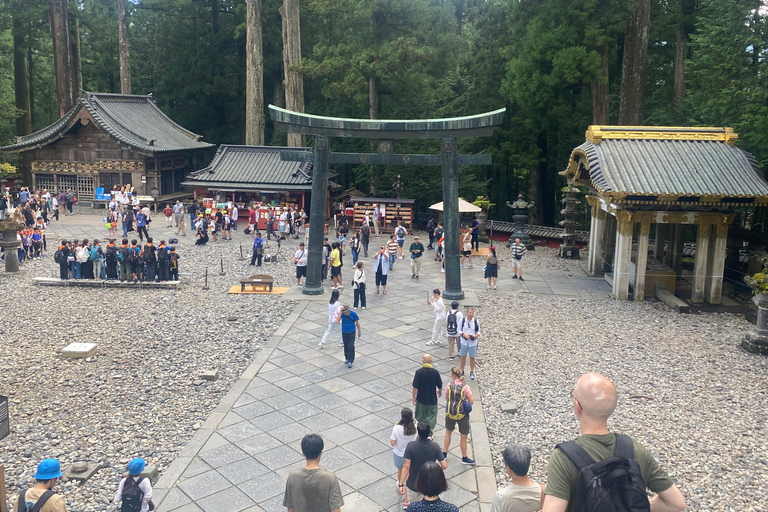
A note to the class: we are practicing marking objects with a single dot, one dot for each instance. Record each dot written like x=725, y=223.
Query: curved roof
x=660, y=166
x=253, y=167
x=133, y=120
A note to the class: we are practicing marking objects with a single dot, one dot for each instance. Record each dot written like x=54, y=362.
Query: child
x=37, y=242
x=227, y=226
x=173, y=264
x=134, y=258
x=162, y=261
x=150, y=261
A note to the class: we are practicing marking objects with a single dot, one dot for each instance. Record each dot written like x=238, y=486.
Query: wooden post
x=596, y=237
x=717, y=260
x=3, y=499
x=624, y=228
x=642, y=257
x=662, y=234
x=221, y=261
x=702, y=256
x=205, y=286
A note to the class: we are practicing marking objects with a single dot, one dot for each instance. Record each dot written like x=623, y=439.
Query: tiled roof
x=672, y=167
x=253, y=167
x=133, y=120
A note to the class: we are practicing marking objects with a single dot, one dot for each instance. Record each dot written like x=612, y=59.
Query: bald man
x=427, y=387
x=594, y=400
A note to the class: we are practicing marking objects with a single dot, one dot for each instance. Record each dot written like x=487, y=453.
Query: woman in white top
x=358, y=283
x=403, y=433
x=334, y=318
x=125, y=491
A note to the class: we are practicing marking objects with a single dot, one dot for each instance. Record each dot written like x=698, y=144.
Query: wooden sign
x=5, y=427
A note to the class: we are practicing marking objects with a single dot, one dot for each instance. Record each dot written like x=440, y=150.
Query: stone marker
x=198, y=382
x=210, y=375
x=510, y=407
x=5, y=427
x=79, y=350
x=81, y=471
x=150, y=472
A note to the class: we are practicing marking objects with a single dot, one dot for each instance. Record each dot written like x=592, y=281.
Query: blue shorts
x=400, y=242
x=464, y=349
x=399, y=461
x=342, y=239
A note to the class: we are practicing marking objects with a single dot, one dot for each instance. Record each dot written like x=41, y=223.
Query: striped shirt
x=392, y=247
x=518, y=250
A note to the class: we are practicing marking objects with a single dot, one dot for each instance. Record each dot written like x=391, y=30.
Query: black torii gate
x=385, y=131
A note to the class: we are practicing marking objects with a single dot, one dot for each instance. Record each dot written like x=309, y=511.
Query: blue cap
x=47, y=469
x=136, y=466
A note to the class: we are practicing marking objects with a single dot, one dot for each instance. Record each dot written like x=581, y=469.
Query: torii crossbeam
x=323, y=128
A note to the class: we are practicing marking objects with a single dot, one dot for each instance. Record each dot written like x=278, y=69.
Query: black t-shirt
x=427, y=381
x=419, y=452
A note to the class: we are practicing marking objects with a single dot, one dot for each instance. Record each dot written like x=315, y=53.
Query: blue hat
x=136, y=466
x=47, y=469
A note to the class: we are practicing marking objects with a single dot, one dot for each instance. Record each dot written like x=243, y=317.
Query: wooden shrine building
x=678, y=181
x=109, y=140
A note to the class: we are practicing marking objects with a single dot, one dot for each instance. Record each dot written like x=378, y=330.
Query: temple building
x=109, y=140
x=673, y=183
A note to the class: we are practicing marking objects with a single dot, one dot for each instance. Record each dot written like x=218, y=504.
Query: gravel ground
x=705, y=418
x=136, y=397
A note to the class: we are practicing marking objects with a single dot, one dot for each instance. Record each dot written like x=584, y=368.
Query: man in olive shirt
x=417, y=250
x=594, y=400
x=312, y=489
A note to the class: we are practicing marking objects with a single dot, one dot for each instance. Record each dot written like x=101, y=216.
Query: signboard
x=101, y=196
x=5, y=427
x=146, y=199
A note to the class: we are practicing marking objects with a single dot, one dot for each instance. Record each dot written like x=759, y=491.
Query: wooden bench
x=262, y=281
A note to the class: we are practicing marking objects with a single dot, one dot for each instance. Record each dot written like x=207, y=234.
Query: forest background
x=556, y=65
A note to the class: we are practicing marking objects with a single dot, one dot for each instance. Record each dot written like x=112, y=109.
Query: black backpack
x=58, y=256
x=111, y=254
x=149, y=253
x=612, y=485
x=452, y=324
x=133, y=498
x=162, y=254
x=21, y=504
x=133, y=256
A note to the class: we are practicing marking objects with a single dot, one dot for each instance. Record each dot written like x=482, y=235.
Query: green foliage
x=484, y=203
x=759, y=281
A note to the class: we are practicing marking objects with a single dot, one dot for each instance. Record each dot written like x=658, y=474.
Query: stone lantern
x=9, y=227
x=520, y=218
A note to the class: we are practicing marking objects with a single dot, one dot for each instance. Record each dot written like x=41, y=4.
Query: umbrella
x=464, y=207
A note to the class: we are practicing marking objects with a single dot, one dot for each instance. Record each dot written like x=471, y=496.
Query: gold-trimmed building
x=109, y=140
x=674, y=178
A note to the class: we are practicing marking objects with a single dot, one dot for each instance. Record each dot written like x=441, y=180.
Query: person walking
x=141, y=225
x=135, y=491
x=475, y=233
x=41, y=496
x=417, y=251
x=594, y=401
x=431, y=482
x=400, y=233
x=300, y=260
x=169, y=215
x=470, y=331
x=127, y=221
x=258, y=249
x=381, y=269
x=354, y=246
x=350, y=323
x=427, y=387
x=439, y=308
x=518, y=251
x=234, y=215
x=452, y=329
x=365, y=238
x=456, y=414
x=311, y=488
x=418, y=453
x=178, y=212
x=336, y=266
x=334, y=318
x=392, y=250
x=404, y=432
x=466, y=250
x=182, y=225
x=376, y=219
x=358, y=284
x=492, y=265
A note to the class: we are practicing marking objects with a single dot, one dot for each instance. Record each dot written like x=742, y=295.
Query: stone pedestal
x=757, y=340
x=8, y=228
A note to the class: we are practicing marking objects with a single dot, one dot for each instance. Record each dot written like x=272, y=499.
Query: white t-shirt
x=333, y=311
x=302, y=257
x=145, y=486
x=401, y=440
x=467, y=326
x=439, y=307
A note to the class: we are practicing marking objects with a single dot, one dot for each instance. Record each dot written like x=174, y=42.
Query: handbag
x=108, y=225
x=413, y=255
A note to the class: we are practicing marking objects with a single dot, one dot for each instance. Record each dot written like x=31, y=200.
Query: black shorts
x=381, y=279
x=335, y=271
x=301, y=271
x=466, y=253
x=450, y=425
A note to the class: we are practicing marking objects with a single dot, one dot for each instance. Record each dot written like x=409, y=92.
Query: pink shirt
x=467, y=391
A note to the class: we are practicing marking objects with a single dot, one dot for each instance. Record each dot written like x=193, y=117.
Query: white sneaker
x=363, y=307
x=430, y=343
x=442, y=270
x=321, y=345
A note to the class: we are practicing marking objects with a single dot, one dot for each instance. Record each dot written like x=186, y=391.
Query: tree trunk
x=215, y=16
x=123, y=48
x=294, y=81
x=62, y=56
x=21, y=78
x=681, y=46
x=30, y=63
x=459, y=15
x=599, y=90
x=373, y=99
x=76, y=56
x=635, y=64
x=278, y=100
x=254, y=75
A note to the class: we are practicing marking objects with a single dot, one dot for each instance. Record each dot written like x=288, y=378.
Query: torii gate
x=323, y=128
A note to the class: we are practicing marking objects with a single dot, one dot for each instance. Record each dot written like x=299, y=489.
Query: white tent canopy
x=464, y=207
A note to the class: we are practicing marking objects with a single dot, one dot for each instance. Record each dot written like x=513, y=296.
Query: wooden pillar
x=624, y=229
x=642, y=257
x=714, y=289
x=703, y=236
x=662, y=234
x=675, y=251
x=596, y=237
